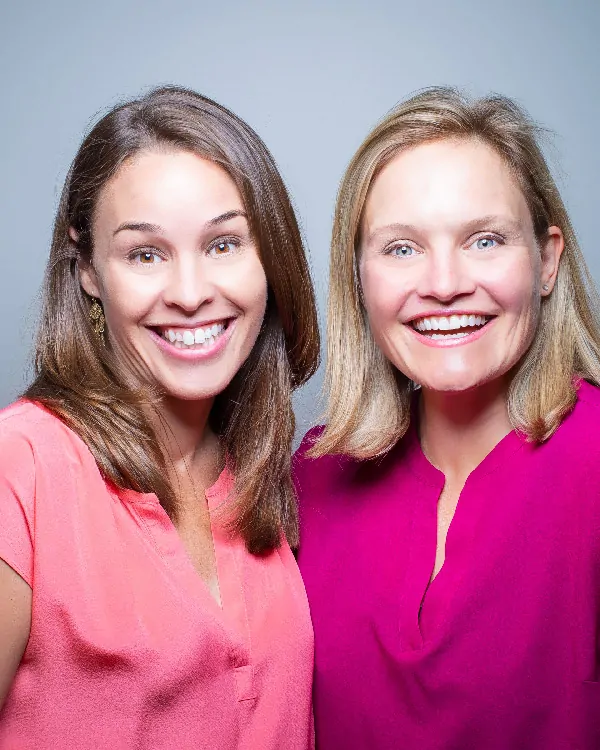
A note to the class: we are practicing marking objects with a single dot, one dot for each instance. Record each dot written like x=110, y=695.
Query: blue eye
x=146, y=258
x=485, y=243
x=402, y=251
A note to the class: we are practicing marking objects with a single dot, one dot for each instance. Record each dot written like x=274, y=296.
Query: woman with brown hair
x=148, y=594
x=450, y=508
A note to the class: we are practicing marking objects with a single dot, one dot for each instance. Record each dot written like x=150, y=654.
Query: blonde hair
x=368, y=408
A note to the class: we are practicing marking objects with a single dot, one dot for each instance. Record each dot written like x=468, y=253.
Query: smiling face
x=178, y=273
x=451, y=272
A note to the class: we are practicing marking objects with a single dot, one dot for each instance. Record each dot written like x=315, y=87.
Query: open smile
x=195, y=342
x=444, y=330
x=194, y=338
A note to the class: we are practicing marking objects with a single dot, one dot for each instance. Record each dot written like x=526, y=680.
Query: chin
x=452, y=382
x=194, y=391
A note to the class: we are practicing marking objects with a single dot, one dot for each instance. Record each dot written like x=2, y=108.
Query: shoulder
x=583, y=423
x=574, y=449
x=30, y=433
x=21, y=425
x=309, y=439
x=589, y=396
x=308, y=470
x=336, y=480
x=27, y=418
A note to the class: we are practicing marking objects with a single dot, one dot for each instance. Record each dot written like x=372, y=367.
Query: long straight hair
x=369, y=400
x=80, y=381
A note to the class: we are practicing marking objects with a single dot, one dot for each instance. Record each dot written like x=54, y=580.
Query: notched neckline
x=216, y=495
x=494, y=460
x=436, y=595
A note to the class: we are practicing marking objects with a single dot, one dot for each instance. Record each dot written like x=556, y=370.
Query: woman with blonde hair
x=148, y=594
x=450, y=507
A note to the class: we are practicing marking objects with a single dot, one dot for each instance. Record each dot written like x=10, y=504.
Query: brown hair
x=369, y=400
x=79, y=380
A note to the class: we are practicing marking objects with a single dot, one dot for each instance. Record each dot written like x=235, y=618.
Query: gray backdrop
x=312, y=79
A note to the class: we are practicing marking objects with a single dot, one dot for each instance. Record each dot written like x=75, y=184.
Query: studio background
x=311, y=78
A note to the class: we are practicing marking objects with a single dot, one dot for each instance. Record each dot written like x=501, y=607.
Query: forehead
x=166, y=187
x=446, y=180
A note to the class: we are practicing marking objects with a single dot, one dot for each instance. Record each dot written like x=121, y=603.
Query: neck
x=189, y=445
x=458, y=430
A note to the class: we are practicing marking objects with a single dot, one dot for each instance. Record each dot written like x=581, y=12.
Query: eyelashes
x=145, y=257
x=152, y=256
x=224, y=247
x=484, y=242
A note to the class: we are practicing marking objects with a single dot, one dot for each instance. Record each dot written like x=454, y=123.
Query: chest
x=134, y=602
x=517, y=594
x=195, y=531
x=446, y=508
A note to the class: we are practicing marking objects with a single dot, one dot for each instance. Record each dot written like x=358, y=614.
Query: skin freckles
x=446, y=230
x=173, y=248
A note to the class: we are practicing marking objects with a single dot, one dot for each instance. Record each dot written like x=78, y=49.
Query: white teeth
x=193, y=337
x=449, y=322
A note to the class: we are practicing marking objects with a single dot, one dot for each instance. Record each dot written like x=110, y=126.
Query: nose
x=189, y=284
x=446, y=275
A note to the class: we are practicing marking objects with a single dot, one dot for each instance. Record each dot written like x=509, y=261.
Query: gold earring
x=97, y=318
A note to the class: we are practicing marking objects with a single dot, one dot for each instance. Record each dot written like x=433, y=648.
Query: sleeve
x=17, y=498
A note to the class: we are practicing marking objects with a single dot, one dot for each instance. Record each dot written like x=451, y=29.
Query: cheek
x=128, y=297
x=514, y=289
x=247, y=289
x=384, y=292
x=259, y=288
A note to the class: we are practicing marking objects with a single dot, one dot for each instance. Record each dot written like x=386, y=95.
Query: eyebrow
x=490, y=221
x=144, y=226
x=227, y=216
x=401, y=228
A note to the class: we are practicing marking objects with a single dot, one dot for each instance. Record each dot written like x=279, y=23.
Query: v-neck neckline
x=232, y=614
x=422, y=593
x=421, y=465
x=171, y=548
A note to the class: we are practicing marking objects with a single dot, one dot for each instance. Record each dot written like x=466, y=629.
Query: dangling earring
x=98, y=319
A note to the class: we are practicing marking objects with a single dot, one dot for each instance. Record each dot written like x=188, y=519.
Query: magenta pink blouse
x=128, y=649
x=502, y=650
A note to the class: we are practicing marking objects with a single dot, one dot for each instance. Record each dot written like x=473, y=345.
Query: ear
x=551, y=251
x=87, y=273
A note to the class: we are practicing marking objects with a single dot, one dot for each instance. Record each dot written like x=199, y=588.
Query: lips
x=450, y=323
x=196, y=337
x=450, y=328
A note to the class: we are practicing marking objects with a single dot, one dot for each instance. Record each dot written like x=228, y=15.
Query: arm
x=15, y=622
x=17, y=494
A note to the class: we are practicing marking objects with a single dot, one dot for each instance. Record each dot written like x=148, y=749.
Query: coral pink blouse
x=128, y=649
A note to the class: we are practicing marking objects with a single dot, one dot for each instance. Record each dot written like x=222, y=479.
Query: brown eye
x=147, y=258
x=225, y=247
